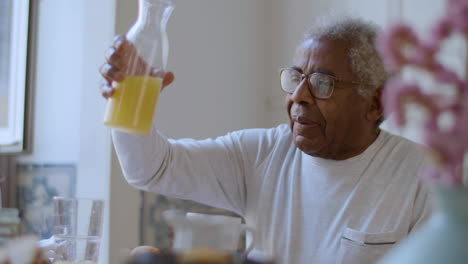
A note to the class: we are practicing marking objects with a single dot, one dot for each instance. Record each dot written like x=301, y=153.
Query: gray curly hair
x=360, y=35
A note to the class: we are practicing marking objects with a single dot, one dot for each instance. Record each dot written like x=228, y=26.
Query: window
x=14, y=27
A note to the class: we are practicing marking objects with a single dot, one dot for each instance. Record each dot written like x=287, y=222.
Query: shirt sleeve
x=210, y=171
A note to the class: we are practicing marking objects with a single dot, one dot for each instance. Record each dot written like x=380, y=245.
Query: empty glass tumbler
x=77, y=229
x=131, y=108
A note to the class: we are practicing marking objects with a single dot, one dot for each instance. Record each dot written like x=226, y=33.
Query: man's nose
x=302, y=93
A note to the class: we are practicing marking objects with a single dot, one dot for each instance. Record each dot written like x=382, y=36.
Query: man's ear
x=375, y=111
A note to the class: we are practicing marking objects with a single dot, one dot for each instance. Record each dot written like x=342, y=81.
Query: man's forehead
x=331, y=41
x=305, y=48
x=305, y=51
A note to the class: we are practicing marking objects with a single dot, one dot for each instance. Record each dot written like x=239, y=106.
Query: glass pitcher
x=131, y=107
x=193, y=231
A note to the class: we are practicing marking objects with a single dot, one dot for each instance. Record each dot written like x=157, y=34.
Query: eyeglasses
x=321, y=85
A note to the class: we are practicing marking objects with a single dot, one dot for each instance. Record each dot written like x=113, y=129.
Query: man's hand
x=122, y=59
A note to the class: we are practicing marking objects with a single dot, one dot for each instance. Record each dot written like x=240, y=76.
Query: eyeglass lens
x=321, y=85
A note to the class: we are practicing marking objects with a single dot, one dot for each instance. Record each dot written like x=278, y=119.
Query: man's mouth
x=303, y=122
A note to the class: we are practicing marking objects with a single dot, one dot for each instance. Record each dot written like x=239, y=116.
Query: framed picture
x=15, y=39
x=37, y=185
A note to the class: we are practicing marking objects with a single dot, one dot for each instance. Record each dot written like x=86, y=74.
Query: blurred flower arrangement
x=401, y=47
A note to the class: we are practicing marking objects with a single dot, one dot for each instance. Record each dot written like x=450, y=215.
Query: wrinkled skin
x=342, y=126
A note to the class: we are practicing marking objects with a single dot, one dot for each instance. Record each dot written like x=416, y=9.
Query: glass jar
x=131, y=108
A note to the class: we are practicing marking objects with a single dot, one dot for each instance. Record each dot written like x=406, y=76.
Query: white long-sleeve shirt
x=304, y=209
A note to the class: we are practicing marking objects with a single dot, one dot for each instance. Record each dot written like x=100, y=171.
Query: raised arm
x=210, y=171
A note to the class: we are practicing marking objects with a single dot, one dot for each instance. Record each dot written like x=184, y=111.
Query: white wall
x=56, y=91
x=94, y=167
x=218, y=57
x=72, y=36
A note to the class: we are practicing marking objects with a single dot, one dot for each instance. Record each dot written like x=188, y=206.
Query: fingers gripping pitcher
x=131, y=107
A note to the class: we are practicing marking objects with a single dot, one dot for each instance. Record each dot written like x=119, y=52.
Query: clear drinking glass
x=77, y=229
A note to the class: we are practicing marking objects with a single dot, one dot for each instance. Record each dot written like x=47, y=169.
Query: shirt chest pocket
x=357, y=247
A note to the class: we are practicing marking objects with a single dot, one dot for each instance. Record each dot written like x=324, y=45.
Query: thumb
x=168, y=79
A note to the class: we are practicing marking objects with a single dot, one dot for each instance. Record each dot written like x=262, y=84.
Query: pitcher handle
x=251, y=230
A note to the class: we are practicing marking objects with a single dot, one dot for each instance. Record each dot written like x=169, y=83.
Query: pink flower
x=440, y=31
x=398, y=93
x=392, y=44
x=400, y=46
x=458, y=13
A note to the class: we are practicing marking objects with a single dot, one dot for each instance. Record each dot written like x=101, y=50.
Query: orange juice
x=131, y=107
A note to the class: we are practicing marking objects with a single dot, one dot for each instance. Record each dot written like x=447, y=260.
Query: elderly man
x=330, y=187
